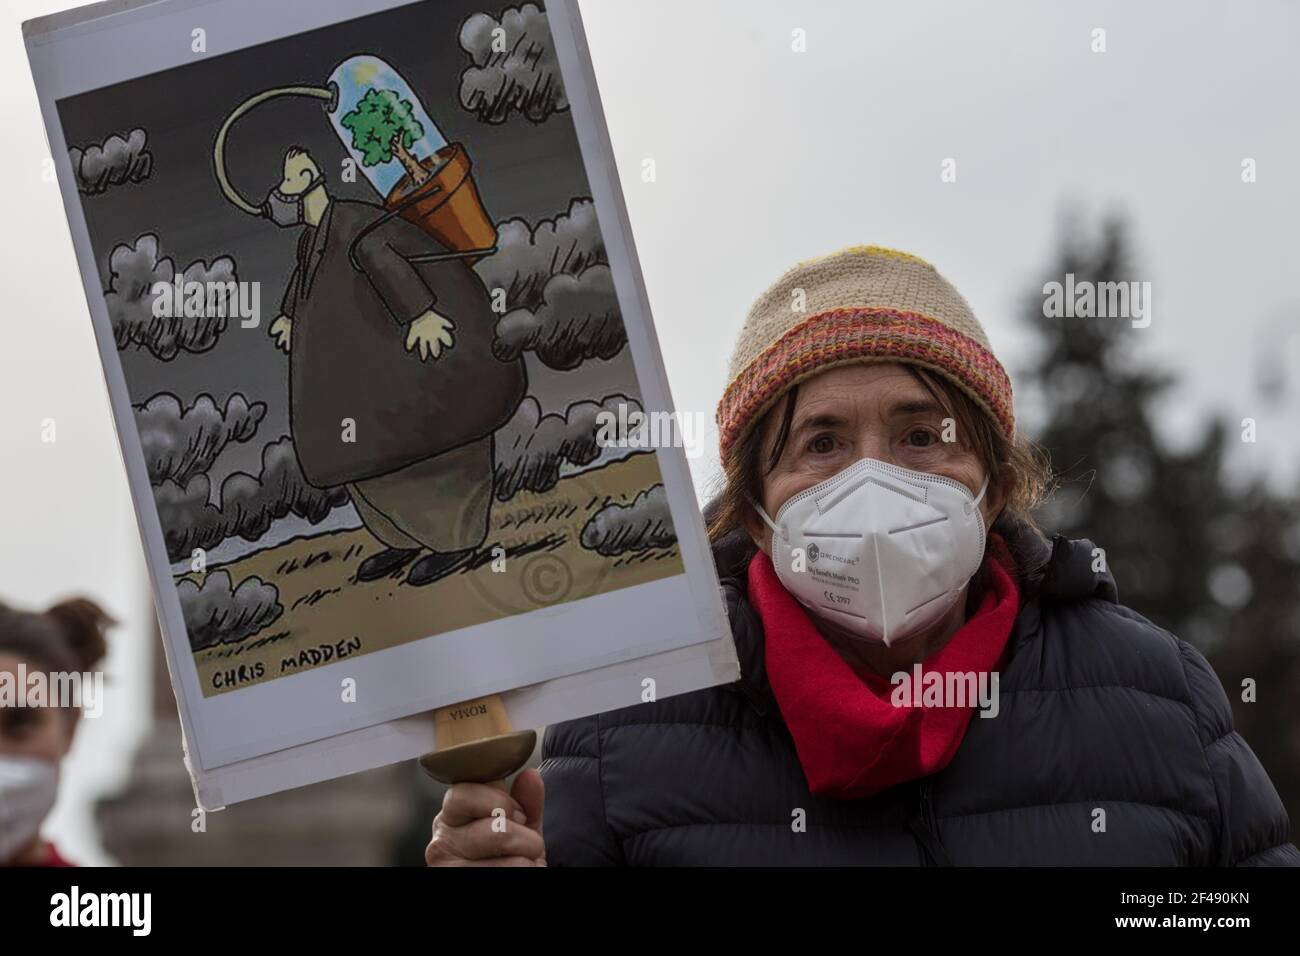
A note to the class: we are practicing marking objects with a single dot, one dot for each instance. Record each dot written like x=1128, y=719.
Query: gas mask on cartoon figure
x=884, y=550
x=285, y=210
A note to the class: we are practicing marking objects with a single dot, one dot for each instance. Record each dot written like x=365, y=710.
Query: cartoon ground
x=335, y=617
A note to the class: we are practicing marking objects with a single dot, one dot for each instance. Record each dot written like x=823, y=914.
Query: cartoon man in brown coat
x=394, y=390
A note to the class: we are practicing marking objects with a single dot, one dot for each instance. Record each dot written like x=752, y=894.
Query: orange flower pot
x=452, y=211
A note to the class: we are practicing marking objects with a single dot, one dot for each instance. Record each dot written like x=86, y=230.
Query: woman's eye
x=920, y=438
x=822, y=445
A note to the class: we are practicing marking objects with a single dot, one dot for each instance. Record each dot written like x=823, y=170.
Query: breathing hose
x=328, y=93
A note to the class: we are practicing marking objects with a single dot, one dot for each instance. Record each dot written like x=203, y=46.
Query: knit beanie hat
x=861, y=304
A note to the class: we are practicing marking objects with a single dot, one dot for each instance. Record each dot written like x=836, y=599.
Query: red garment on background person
x=49, y=857
x=851, y=740
x=54, y=858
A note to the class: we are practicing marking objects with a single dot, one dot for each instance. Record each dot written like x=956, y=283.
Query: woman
x=884, y=583
x=66, y=639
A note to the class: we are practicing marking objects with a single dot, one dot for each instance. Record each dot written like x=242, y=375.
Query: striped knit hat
x=861, y=304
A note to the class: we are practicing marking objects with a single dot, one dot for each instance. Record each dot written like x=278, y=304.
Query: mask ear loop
x=763, y=514
x=971, y=506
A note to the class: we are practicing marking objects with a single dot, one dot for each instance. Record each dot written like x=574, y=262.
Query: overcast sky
x=764, y=157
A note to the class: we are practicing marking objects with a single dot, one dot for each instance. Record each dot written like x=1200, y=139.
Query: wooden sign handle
x=476, y=744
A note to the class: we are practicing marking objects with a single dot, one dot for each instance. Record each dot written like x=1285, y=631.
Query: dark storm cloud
x=219, y=613
x=246, y=505
x=515, y=68
x=619, y=529
x=181, y=442
x=133, y=272
x=579, y=320
x=532, y=447
x=559, y=293
x=115, y=162
x=528, y=257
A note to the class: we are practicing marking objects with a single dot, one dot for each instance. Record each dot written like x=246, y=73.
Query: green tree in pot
x=384, y=127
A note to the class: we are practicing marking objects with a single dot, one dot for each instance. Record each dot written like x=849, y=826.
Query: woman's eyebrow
x=818, y=420
x=925, y=406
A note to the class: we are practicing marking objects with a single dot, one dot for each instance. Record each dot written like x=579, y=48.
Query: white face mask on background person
x=886, y=550
x=28, y=789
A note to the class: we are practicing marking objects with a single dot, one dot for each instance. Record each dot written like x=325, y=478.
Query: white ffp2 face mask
x=28, y=789
x=884, y=550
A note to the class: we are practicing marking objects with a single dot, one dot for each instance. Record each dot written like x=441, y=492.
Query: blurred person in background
x=66, y=639
x=875, y=532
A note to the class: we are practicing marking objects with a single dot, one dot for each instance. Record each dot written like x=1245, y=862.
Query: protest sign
x=366, y=297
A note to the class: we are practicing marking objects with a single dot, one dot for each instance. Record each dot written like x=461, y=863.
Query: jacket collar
x=731, y=555
x=1077, y=570
x=311, y=248
x=747, y=634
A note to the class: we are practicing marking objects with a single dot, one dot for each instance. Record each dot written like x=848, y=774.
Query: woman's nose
x=873, y=444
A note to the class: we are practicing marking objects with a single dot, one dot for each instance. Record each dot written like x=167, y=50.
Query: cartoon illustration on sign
x=379, y=293
x=375, y=405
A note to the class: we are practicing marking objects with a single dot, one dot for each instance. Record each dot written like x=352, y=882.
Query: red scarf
x=851, y=740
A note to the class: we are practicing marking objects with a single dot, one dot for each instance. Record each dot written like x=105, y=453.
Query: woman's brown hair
x=1018, y=467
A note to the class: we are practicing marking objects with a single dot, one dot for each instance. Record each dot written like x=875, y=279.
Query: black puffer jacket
x=1100, y=709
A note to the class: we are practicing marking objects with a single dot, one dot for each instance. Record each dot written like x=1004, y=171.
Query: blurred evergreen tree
x=1259, y=581
x=1216, y=563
